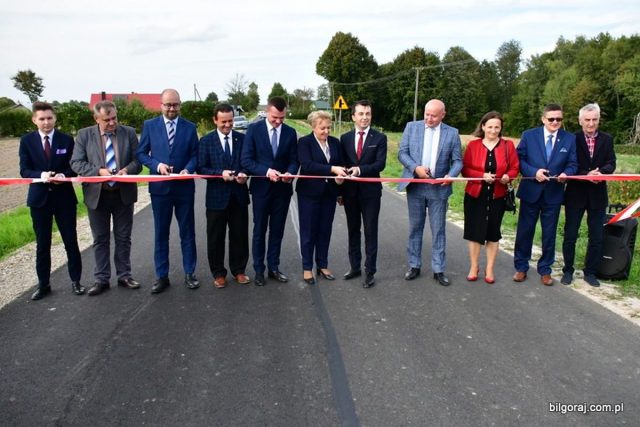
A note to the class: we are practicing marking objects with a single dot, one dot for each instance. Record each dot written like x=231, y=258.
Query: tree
x=278, y=90
x=346, y=60
x=236, y=89
x=508, y=69
x=300, y=102
x=252, y=100
x=29, y=83
x=73, y=116
x=212, y=97
x=322, y=93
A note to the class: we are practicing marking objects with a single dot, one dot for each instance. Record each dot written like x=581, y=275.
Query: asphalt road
x=401, y=353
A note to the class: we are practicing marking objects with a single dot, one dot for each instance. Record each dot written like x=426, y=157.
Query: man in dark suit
x=43, y=154
x=108, y=149
x=429, y=149
x=227, y=198
x=270, y=151
x=169, y=144
x=548, y=154
x=595, y=155
x=364, y=151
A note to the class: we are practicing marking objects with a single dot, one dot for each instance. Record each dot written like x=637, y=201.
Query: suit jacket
x=257, y=158
x=212, y=161
x=33, y=162
x=313, y=162
x=183, y=153
x=475, y=158
x=584, y=194
x=449, y=160
x=532, y=155
x=372, y=161
x=89, y=156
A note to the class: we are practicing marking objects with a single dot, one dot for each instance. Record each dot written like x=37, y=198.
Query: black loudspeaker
x=617, y=249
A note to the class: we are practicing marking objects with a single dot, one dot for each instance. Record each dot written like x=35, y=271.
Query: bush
x=627, y=149
x=15, y=123
x=73, y=116
x=624, y=192
x=197, y=111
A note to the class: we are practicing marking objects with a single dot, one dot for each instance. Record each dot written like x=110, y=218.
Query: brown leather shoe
x=243, y=279
x=520, y=276
x=546, y=280
x=220, y=282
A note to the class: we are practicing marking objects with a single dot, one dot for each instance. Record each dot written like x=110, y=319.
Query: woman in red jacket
x=495, y=161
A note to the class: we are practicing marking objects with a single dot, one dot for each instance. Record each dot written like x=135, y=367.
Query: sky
x=83, y=47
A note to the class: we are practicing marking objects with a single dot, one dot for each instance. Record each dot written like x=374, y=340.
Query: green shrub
x=627, y=149
x=15, y=123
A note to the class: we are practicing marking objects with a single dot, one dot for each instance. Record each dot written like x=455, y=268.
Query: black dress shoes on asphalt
x=326, y=276
x=258, y=280
x=369, y=281
x=279, y=276
x=77, y=288
x=309, y=281
x=441, y=278
x=129, y=283
x=160, y=285
x=412, y=273
x=191, y=282
x=41, y=292
x=351, y=274
x=97, y=289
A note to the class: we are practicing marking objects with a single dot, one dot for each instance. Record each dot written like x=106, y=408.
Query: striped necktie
x=110, y=156
x=171, y=132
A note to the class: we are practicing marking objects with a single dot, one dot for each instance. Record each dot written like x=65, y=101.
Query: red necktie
x=360, y=142
x=47, y=147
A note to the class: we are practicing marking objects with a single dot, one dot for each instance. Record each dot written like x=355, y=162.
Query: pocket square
x=61, y=151
x=563, y=150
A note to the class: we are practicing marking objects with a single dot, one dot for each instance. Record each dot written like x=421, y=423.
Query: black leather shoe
x=567, y=278
x=258, y=280
x=160, y=285
x=41, y=292
x=369, y=281
x=326, y=276
x=279, y=276
x=77, y=288
x=129, y=283
x=191, y=282
x=351, y=274
x=412, y=273
x=97, y=289
x=441, y=278
x=591, y=280
x=310, y=281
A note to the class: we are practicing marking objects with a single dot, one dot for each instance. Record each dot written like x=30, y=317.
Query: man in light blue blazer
x=169, y=144
x=548, y=154
x=429, y=149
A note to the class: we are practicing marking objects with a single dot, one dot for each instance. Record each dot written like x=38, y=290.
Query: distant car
x=262, y=114
x=240, y=122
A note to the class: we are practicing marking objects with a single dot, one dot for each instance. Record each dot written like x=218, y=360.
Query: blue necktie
x=274, y=142
x=227, y=149
x=171, y=133
x=110, y=156
x=549, y=147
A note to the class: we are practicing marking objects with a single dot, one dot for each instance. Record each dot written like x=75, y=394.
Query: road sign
x=340, y=104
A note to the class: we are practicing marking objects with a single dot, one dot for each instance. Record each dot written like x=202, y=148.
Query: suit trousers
x=419, y=205
x=163, y=206
x=595, y=221
x=110, y=207
x=42, y=220
x=268, y=213
x=316, y=215
x=236, y=218
x=527, y=220
x=362, y=211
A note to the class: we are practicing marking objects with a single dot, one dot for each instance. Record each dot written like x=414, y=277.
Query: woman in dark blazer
x=495, y=161
x=319, y=155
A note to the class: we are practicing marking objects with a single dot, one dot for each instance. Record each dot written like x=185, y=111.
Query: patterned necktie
x=274, y=142
x=426, y=150
x=110, y=156
x=549, y=147
x=47, y=147
x=327, y=151
x=227, y=148
x=360, y=143
x=171, y=133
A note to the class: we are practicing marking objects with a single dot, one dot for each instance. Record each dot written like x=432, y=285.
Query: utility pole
x=196, y=94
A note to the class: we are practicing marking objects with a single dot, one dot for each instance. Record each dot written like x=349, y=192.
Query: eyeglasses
x=169, y=105
x=555, y=119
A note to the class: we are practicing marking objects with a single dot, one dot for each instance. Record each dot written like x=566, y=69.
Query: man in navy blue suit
x=227, y=198
x=547, y=154
x=43, y=154
x=364, y=152
x=269, y=153
x=169, y=144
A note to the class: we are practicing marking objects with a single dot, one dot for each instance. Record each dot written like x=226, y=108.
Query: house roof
x=151, y=101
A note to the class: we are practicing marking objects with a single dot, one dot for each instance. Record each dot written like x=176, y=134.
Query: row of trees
x=602, y=70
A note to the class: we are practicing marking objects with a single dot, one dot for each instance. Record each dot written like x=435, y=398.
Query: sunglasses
x=555, y=119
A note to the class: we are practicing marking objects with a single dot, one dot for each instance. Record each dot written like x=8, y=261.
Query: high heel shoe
x=473, y=278
x=309, y=281
x=489, y=280
x=326, y=276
